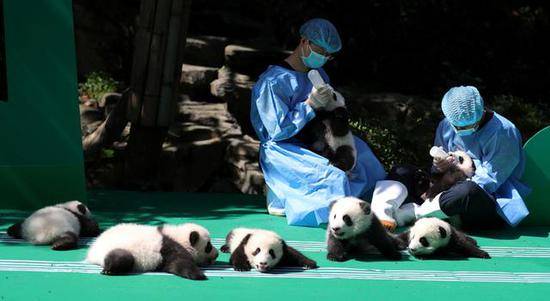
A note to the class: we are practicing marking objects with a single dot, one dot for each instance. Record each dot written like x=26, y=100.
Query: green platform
x=41, y=159
x=45, y=166
x=520, y=269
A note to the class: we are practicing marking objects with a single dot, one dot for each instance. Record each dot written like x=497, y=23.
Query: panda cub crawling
x=59, y=225
x=328, y=133
x=262, y=250
x=431, y=236
x=462, y=169
x=175, y=249
x=354, y=230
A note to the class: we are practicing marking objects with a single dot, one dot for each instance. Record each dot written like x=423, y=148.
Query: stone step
x=235, y=89
x=188, y=166
x=241, y=158
x=195, y=80
x=190, y=132
x=205, y=51
x=214, y=115
x=252, y=61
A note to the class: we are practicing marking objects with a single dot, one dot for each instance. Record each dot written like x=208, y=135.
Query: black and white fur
x=59, y=225
x=175, y=249
x=463, y=169
x=431, y=236
x=354, y=230
x=328, y=134
x=262, y=250
x=414, y=178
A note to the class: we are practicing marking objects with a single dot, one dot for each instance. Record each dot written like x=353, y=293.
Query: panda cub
x=59, y=225
x=175, y=249
x=463, y=169
x=431, y=236
x=262, y=250
x=353, y=230
x=328, y=133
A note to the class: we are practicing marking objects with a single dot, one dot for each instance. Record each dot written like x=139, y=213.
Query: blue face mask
x=313, y=60
x=466, y=132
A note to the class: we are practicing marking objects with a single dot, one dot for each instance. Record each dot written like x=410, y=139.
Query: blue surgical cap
x=462, y=106
x=322, y=33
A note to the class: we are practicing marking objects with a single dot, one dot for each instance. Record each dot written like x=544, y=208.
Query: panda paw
x=337, y=257
x=61, y=246
x=310, y=264
x=224, y=249
x=484, y=255
x=107, y=273
x=241, y=266
x=394, y=255
x=196, y=276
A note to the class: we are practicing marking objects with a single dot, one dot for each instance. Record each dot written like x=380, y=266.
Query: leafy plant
x=527, y=116
x=97, y=84
x=392, y=145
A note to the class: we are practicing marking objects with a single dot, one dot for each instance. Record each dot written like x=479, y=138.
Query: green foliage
x=392, y=144
x=97, y=84
x=383, y=141
x=528, y=117
x=409, y=140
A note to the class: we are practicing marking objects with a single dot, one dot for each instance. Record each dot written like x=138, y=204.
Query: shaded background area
x=398, y=59
x=3, y=83
x=408, y=46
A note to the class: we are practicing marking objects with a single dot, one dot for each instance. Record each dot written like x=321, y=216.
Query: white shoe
x=275, y=211
x=430, y=208
x=387, y=197
x=274, y=206
x=405, y=214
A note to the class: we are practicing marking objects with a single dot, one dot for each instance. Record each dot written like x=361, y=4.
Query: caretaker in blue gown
x=301, y=184
x=494, y=196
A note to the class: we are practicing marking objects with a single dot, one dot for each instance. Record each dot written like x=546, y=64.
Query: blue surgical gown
x=496, y=149
x=301, y=181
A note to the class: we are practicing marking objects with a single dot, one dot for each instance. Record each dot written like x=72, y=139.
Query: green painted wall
x=41, y=157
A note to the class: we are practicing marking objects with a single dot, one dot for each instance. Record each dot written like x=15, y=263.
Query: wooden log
x=160, y=41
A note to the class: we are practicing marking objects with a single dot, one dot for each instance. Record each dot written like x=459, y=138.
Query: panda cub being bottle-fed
x=462, y=169
x=328, y=133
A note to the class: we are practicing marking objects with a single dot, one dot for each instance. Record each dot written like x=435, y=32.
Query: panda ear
x=442, y=232
x=81, y=208
x=194, y=237
x=331, y=204
x=365, y=207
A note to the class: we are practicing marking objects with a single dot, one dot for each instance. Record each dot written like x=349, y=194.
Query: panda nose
x=336, y=229
x=412, y=249
x=263, y=264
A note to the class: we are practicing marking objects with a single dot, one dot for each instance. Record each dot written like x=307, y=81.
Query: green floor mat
x=520, y=268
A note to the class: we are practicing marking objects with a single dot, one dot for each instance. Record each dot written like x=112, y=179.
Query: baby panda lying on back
x=328, y=133
x=462, y=169
x=174, y=249
x=354, y=230
x=59, y=225
x=262, y=250
x=430, y=237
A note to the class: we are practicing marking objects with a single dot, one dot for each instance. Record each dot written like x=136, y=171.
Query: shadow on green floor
x=514, y=233
x=156, y=207
x=113, y=207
